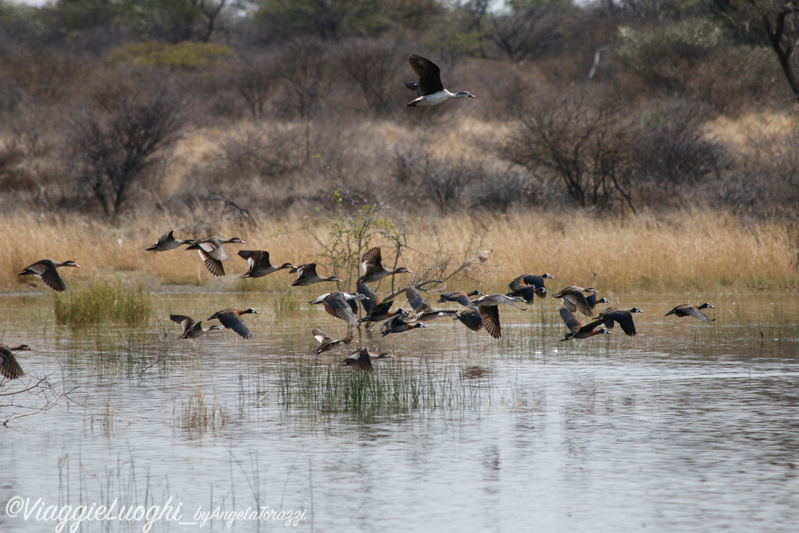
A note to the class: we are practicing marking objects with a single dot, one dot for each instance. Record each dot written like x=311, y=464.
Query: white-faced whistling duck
x=46, y=270
x=372, y=265
x=231, y=319
x=212, y=252
x=259, y=265
x=306, y=275
x=399, y=326
x=376, y=311
x=430, y=89
x=574, y=299
x=459, y=297
x=9, y=367
x=400, y=316
x=489, y=312
x=592, y=301
x=341, y=305
x=622, y=317
x=692, y=310
x=578, y=330
x=167, y=241
x=328, y=343
x=424, y=312
x=191, y=328
x=527, y=280
x=471, y=319
x=528, y=293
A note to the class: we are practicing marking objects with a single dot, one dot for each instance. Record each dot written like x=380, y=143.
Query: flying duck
x=424, y=312
x=328, y=343
x=578, y=330
x=691, y=310
x=592, y=301
x=9, y=367
x=372, y=265
x=212, y=253
x=191, y=328
x=429, y=89
x=624, y=319
x=459, y=297
x=489, y=312
x=46, y=270
x=376, y=311
x=306, y=275
x=527, y=280
x=231, y=319
x=574, y=299
x=471, y=319
x=167, y=241
x=341, y=305
x=258, y=261
x=400, y=325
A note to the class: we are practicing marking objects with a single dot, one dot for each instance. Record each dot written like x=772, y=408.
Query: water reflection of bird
x=231, y=319
x=46, y=270
x=9, y=367
x=362, y=359
x=691, y=310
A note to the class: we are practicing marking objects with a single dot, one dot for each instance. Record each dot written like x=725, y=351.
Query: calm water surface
x=686, y=427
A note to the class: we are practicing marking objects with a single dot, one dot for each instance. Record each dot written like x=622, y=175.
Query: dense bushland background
x=216, y=108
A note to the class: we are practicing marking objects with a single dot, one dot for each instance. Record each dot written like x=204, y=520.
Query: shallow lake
x=689, y=426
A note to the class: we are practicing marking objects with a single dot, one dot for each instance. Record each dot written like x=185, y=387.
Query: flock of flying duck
x=480, y=313
x=481, y=310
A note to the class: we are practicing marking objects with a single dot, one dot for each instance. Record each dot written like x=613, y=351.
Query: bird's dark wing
x=429, y=74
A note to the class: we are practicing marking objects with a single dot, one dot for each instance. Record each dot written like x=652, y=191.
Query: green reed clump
x=288, y=303
x=397, y=386
x=103, y=301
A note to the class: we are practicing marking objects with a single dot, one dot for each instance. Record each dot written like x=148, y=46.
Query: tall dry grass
x=681, y=250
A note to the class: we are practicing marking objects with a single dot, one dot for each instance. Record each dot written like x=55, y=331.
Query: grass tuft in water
x=399, y=386
x=288, y=303
x=196, y=414
x=103, y=301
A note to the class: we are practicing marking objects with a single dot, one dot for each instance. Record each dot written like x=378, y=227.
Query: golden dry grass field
x=686, y=249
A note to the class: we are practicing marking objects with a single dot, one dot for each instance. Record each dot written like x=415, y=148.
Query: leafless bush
x=437, y=180
x=503, y=191
x=671, y=146
x=306, y=71
x=373, y=67
x=119, y=144
x=580, y=142
x=255, y=81
x=263, y=155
